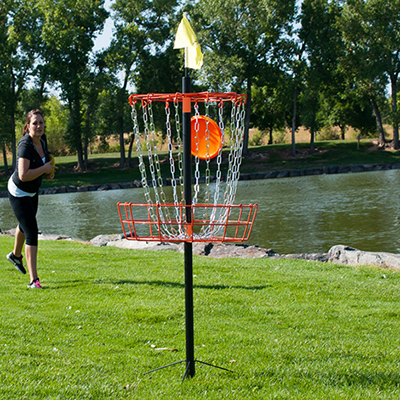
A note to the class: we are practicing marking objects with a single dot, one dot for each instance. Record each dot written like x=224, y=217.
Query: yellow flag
x=186, y=39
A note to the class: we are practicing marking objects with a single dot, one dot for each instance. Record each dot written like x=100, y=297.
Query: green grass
x=104, y=167
x=288, y=329
x=328, y=153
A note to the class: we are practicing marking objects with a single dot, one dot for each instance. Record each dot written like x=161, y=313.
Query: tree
x=323, y=44
x=141, y=51
x=371, y=31
x=69, y=28
x=18, y=48
x=93, y=83
x=244, y=35
x=296, y=65
x=270, y=105
x=56, y=120
x=120, y=59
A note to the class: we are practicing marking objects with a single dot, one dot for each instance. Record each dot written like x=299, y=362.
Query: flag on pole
x=186, y=39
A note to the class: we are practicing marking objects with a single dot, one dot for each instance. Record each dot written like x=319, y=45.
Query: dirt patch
x=375, y=146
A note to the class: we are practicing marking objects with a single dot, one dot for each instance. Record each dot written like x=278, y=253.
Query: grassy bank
x=288, y=329
x=104, y=168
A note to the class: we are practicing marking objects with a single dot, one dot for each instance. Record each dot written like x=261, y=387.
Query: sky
x=104, y=39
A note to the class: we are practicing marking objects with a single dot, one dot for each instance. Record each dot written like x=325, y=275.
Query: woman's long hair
x=29, y=117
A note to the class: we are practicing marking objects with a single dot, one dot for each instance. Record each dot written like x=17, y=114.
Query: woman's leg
x=25, y=209
x=19, y=242
x=31, y=261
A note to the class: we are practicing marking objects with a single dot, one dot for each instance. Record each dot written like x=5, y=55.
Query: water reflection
x=304, y=214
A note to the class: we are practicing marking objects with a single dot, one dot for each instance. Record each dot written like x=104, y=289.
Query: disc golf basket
x=213, y=136
x=214, y=218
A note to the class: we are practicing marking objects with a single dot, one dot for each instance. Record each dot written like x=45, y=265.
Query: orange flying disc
x=214, y=134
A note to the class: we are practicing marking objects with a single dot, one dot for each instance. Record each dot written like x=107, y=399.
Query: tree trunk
x=395, y=118
x=312, y=141
x=6, y=171
x=342, y=131
x=378, y=117
x=294, y=122
x=74, y=109
x=271, y=139
x=13, y=141
x=81, y=164
x=121, y=96
x=12, y=123
x=121, y=130
x=131, y=140
x=87, y=135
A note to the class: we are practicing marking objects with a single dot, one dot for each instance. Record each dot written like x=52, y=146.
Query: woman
x=33, y=161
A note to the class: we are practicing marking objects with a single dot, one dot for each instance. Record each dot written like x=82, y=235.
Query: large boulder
x=141, y=245
x=103, y=240
x=348, y=255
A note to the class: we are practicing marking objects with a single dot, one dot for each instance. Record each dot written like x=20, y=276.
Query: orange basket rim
x=194, y=97
x=181, y=205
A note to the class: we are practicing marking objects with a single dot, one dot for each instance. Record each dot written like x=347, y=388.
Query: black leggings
x=25, y=209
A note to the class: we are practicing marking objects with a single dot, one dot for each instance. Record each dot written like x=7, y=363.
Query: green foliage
x=19, y=33
x=257, y=138
x=337, y=56
x=56, y=119
x=270, y=105
x=327, y=134
x=68, y=32
x=371, y=33
x=323, y=45
x=104, y=147
x=242, y=40
x=141, y=51
x=242, y=35
x=286, y=329
x=279, y=136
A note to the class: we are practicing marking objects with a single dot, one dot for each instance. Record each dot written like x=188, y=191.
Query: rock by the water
x=219, y=250
x=102, y=240
x=142, y=245
x=348, y=255
x=338, y=254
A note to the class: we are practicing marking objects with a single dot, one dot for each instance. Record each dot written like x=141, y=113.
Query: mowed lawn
x=287, y=329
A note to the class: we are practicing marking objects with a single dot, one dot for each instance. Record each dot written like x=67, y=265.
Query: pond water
x=296, y=215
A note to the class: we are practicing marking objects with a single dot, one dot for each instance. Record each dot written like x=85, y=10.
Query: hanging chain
x=154, y=161
x=180, y=149
x=207, y=139
x=142, y=166
x=218, y=175
x=172, y=165
x=196, y=187
x=238, y=118
x=205, y=228
x=213, y=217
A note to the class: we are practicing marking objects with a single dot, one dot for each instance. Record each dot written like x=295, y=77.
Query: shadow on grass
x=181, y=285
x=70, y=284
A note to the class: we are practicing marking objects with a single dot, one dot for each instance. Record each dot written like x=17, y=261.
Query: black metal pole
x=187, y=183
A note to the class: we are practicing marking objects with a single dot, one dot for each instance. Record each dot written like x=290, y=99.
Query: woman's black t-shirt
x=26, y=149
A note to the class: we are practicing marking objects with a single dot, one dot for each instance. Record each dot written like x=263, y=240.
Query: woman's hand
x=50, y=175
x=26, y=174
